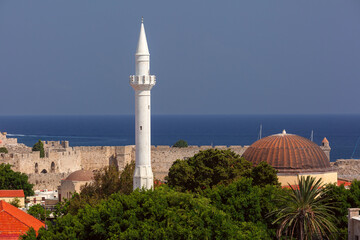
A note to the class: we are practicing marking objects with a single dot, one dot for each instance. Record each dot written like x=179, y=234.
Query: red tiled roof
x=12, y=193
x=325, y=140
x=339, y=183
x=288, y=153
x=9, y=236
x=343, y=182
x=14, y=221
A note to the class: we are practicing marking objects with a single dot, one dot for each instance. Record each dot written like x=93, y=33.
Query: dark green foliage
x=3, y=150
x=240, y=199
x=211, y=167
x=30, y=235
x=207, y=169
x=263, y=174
x=10, y=180
x=38, y=212
x=245, y=202
x=181, y=144
x=61, y=208
x=39, y=146
x=159, y=214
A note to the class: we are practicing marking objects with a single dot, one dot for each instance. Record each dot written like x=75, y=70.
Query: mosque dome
x=81, y=175
x=288, y=153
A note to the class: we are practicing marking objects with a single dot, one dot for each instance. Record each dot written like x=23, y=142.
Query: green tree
x=39, y=146
x=264, y=174
x=11, y=180
x=207, y=169
x=30, y=234
x=245, y=202
x=38, y=212
x=305, y=212
x=3, y=150
x=61, y=208
x=15, y=202
x=181, y=144
x=156, y=214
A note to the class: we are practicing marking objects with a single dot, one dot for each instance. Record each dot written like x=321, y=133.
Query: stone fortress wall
x=60, y=159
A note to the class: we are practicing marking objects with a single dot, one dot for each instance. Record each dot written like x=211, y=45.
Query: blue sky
x=210, y=57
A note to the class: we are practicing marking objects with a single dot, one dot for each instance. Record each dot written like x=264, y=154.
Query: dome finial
x=284, y=132
x=142, y=19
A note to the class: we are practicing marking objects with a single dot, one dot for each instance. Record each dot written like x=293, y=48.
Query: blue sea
x=342, y=131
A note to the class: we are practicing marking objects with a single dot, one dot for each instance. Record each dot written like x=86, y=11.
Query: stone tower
x=325, y=146
x=142, y=82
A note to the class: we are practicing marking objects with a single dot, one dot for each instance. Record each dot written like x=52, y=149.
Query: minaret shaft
x=142, y=83
x=143, y=127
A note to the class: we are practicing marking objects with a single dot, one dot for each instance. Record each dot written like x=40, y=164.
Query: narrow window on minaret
x=140, y=127
x=148, y=106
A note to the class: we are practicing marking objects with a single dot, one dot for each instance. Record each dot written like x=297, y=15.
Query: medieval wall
x=61, y=160
x=162, y=157
x=347, y=168
x=49, y=181
x=6, y=141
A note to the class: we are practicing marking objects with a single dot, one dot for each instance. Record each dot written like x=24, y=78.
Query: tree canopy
x=38, y=212
x=211, y=167
x=181, y=144
x=11, y=180
x=155, y=214
x=39, y=146
x=3, y=150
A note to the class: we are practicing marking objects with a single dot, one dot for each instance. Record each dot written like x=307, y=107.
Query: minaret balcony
x=143, y=80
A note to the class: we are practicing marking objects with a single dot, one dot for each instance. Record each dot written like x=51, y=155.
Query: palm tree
x=304, y=213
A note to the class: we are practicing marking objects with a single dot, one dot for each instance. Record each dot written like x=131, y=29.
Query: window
x=140, y=127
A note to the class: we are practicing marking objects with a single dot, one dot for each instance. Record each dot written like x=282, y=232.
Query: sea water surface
x=342, y=131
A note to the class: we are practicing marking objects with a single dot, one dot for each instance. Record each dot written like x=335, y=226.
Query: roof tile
x=12, y=193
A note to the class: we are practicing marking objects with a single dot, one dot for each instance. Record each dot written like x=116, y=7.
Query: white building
x=142, y=82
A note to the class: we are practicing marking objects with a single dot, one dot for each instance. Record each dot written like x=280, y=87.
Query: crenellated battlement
x=56, y=144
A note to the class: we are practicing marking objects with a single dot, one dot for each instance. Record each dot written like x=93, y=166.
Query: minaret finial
x=142, y=19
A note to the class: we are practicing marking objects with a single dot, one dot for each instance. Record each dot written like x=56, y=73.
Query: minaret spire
x=142, y=82
x=142, y=55
x=142, y=47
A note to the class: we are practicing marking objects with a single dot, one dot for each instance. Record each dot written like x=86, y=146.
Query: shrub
x=3, y=150
x=181, y=144
x=39, y=146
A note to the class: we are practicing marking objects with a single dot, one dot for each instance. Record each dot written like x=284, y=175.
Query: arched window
x=52, y=167
x=44, y=171
x=36, y=168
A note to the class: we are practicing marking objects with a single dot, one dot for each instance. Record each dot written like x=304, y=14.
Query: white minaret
x=142, y=82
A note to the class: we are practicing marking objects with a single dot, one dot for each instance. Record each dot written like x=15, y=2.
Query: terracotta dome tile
x=288, y=153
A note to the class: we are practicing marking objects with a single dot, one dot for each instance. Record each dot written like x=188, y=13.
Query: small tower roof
x=325, y=140
x=142, y=47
